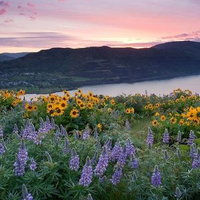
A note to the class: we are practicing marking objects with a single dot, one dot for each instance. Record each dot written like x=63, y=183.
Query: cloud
x=4, y=4
x=32, y=17
x=31, y=5
x=8, y=20
x=184, y=36
x=36, y=40
x=3, y=7
x=2, y=11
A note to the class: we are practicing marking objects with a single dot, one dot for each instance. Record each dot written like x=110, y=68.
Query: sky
x=32, y=25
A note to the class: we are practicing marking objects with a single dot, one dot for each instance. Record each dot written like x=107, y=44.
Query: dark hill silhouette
x=66, y=67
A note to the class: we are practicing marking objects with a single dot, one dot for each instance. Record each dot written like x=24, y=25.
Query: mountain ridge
x=71, y=68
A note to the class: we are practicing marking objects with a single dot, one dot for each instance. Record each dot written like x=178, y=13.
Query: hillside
x=5, y=58
x=11, y=56
x=59, y=68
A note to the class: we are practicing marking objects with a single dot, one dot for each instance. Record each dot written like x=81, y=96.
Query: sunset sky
x=32, y=25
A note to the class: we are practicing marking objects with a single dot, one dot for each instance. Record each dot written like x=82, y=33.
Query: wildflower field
x=89, y=146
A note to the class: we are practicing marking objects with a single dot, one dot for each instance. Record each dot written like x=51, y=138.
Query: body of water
x=157, y=87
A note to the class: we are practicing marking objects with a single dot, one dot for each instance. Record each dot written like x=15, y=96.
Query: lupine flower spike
x=166, y=137
x=26, y=194
x=102, y=163
x=74, y=161
x=156, y=177
x=87, y=172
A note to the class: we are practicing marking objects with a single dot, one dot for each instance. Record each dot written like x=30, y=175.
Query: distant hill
x=5, y=58
x=11, y=56
x=16, y=55
x=59, y=68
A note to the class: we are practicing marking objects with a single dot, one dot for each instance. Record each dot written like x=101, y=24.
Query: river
x=158, y=87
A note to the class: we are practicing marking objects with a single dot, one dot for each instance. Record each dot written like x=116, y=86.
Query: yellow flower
x=99, y=126
x=128, y=110
x=157, y=114
x=133, y=110
x=78, y=101
x=82, y=106
x=181, y=122
x=35, y=108
x=173, y=120
x=59, y=111
x=155, y=123
x=29, y=108
x=109, y=109
x=74, y=113
x=89, y=105
x=63, y=104
x=112, y=101
x=163, y=118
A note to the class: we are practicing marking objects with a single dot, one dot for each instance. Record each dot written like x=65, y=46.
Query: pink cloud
x=8, y=20
x=32, y=18
x=184, y=36
x=30, y=5
x=3, y=7
x=2, y=11
x=4, y=3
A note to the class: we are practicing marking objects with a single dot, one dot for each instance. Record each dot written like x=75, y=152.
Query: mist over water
x=157, y=87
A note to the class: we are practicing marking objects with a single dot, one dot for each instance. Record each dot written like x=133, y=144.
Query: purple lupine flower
x=86, y=133
x=116, y=151
x=76, y=135
x=116, y=114
x=127, y=124
x=116, y=177
x=89, y=197
x=179, y=137
x=33, y=165
x=53, y=125
x=130, y=149
x=26, y=194
x=16, y=132
x=22, y=153
x=108, y=146
x=43, y=127
x=57, y=136
x=66, y=148
x=193, y=151
x=23, y=103
x=150, y=138
x=191, y=138
x=195, y=163
x=29, y=131
x=122, y=159
x=1, y=131
x=19, y=167
x=166, y=137
x=74, y=161
x=87, y=172
x=156, y=177
x=2, y=149
x=41, y=121
x=133, y=162
x=178, y=193
x=94, y=158
x=63, y=131
x=166, y=156
x=102, y=163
